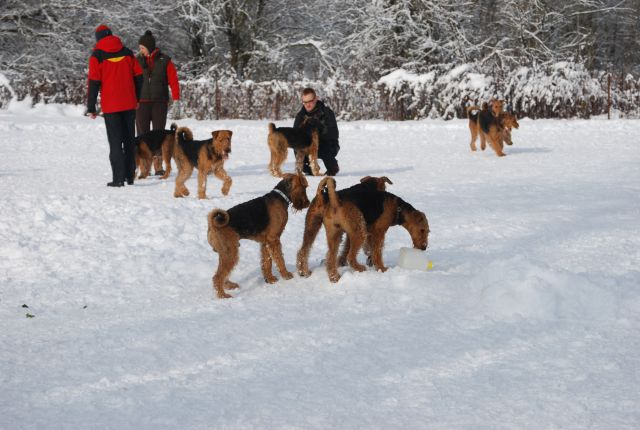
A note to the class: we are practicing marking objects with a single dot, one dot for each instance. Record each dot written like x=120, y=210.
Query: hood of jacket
x=109, y=44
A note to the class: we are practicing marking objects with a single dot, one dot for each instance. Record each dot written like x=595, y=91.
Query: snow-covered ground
x=529, y=319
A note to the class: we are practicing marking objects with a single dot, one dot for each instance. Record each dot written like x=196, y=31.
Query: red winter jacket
x=115, y=73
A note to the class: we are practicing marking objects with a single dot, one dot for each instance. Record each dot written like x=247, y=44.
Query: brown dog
x=315, y=214
x=151, y=145
x=365, y=215
x=263, y=220
x=490, y=123
x=509, y=122
x=304, y=141
x=208, y=156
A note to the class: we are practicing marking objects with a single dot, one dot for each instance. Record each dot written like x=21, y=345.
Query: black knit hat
x=148, y=41
x=102, y=31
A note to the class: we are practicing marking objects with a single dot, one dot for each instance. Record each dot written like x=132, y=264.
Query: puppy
x=263, y=220
x=155, y=143
x=304, y=141
x=208, y=156
x=315, y=214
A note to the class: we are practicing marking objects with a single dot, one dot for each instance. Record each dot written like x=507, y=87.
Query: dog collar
x=283, y=195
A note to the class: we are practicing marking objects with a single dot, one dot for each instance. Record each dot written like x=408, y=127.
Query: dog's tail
x=330, y=184
x=183, y=134
x=218, y=218
x=174, y=127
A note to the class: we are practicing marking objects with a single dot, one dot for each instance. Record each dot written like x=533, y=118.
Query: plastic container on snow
x=415, y=259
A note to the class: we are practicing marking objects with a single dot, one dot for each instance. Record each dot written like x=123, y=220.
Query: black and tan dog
x=365, y=215
x=263, y=220
x=208, y=156
x=315, y=214
x=304, y=141
x=509, y=122
x=492, y=124
x=152, y=144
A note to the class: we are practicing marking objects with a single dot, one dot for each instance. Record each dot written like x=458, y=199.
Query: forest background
x=381, y=59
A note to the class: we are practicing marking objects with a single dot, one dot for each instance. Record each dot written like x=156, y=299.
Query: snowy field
x=529, y=319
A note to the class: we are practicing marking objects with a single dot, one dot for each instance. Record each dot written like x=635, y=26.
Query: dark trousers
x=121, y=134
x=327, y=153
x=151, y=113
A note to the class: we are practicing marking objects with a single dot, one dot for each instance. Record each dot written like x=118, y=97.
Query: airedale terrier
x=304, y=141
x=315, y=213
x=488, y=123
x=509, y=122
x=366, y=215
x=208, y=156
x=153, y=144
x=263, y=220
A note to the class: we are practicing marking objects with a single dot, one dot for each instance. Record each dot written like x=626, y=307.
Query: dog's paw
x=358, y=267
x=334, y=277
x=270, y=279
x=231, y=285
x=221, y=294
x=305, y=273
x=287, y=275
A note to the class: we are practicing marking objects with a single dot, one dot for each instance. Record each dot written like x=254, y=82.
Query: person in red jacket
x=159, y=74
x=117, y=76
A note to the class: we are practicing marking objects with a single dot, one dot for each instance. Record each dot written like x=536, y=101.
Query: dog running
x=492, y=124
x=208, y=156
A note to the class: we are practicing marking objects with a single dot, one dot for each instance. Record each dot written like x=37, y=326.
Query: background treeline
x=393, y=59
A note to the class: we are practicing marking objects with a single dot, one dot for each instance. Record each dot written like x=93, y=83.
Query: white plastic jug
x=416, y=259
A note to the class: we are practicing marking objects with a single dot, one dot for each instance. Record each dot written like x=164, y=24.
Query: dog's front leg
x=225, y=178
x=265, y=264
x=376, y=244
x=275, y=248
x=495, y=142
x=202, y=183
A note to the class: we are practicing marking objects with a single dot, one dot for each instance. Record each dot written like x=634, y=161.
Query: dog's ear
x=302, y=179
x=230, y=133
x=365, y=179
x=387, y=180
x=215, y=134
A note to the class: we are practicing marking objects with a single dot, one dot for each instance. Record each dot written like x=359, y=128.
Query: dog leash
x=283, y=195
